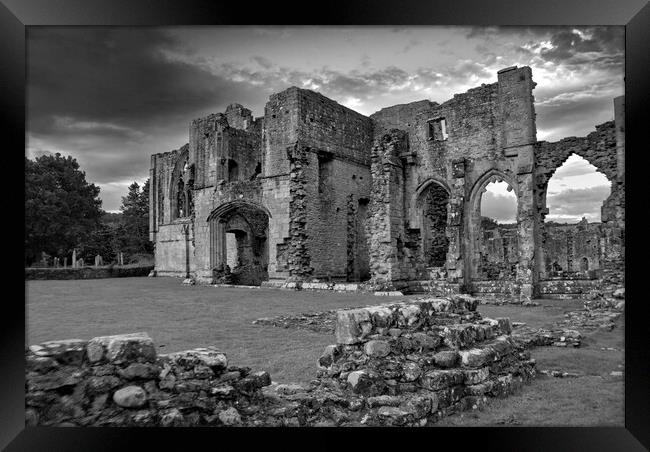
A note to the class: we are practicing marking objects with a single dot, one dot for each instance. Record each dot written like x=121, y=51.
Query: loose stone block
x=440, y=379
x=447, y=358
x=203, y=356
x=352, y=325
x=230, y=417
x=394, y=416
x=384, y=400
x=476, y=376
x=130, y=397
x=377, y=348
x=426, y=341
x=412, y=371
x=476, y=357
x=70, y=351
x=121, y=348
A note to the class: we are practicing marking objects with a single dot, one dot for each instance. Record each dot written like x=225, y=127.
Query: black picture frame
x=16, y=15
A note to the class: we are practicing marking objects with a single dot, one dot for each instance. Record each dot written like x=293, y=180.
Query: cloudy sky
x=111, y=97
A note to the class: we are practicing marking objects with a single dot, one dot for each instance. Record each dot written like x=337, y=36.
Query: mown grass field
x=180, y=317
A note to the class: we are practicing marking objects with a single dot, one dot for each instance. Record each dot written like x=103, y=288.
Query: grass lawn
x=180, y=317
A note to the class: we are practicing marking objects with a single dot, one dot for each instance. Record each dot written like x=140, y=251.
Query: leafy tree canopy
x=61, y=207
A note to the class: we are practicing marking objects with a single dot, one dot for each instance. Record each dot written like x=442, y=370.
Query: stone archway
x=432, y=205
x=238, y=243
x=473, y=257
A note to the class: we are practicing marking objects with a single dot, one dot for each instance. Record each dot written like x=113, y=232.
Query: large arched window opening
x=576, y=194
x=497, y=241
x=576, y=190
x=182, y=204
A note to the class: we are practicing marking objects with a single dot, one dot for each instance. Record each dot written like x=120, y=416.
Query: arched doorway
x=433, y=207
x=493, y=251
x=238, y=243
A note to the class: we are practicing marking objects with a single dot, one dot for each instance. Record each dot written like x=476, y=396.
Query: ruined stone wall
x=323, y=148
x=567, y=245
x=605, y=149
x=206, y=201
x=167, y=233
x=490, y=130
x=393, y=253
x=334, y=193
x=343, y=191
x=214, y=144
x=276, y=198
x=121, y=381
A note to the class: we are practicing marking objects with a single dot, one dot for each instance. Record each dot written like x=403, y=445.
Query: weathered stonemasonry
x=405, y=363
x=390, y=201
x=121, y=381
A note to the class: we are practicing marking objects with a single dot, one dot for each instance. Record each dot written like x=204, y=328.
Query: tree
x=61, y=207
x=134, y=233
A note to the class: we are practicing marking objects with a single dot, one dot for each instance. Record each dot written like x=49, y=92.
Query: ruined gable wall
x=213, y=143
x=300, y=124
x=601, y=150
x=489, y=128
x=168, y=236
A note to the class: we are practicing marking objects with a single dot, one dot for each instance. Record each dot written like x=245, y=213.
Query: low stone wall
x=120, y=381
x=569, y=288
x=88, y=272
x=406, y=363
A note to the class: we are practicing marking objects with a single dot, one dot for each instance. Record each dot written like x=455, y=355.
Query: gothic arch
x=432, y=180
x=491, y=175
x=473, y=223
x=230, y=206
x=181, y=186
x=239, y=234
x=431, y=206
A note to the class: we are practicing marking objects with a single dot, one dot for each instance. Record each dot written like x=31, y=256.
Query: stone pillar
x=528, y=238
x=385, y=225
x=455, y=262
x=619, y=118
x=74, y=258
x=299, y=258
x=518, y=136
x=65, y=262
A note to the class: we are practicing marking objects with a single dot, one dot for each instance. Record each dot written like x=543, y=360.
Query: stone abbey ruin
x=314, y=195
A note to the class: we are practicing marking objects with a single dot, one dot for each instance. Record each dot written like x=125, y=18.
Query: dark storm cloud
x=578, y=202
x=111, y=98
x=575, y=116
x=569, y=46
x=482, y=32
x=114, y=75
